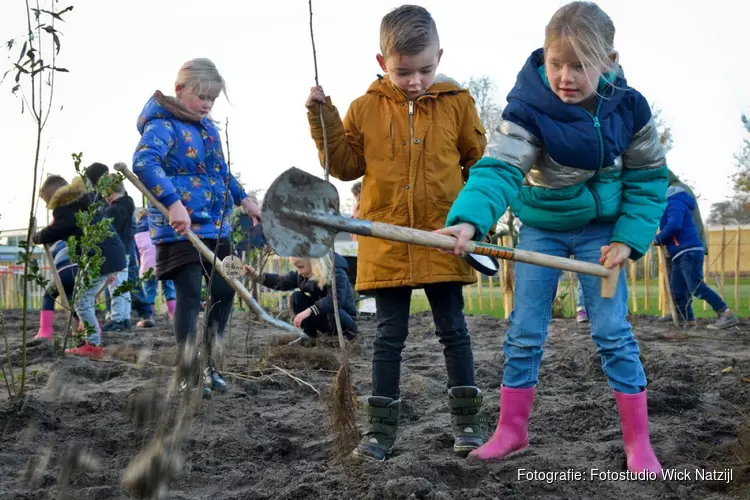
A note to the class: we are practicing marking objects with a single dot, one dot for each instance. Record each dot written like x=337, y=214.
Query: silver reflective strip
x=645, y=151
x=514, y=145
x=548, y=173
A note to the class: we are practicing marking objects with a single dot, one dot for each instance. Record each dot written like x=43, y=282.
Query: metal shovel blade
x=289, y=236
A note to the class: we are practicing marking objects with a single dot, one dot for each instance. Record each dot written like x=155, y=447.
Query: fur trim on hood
x=67, y=195
x=441, y=78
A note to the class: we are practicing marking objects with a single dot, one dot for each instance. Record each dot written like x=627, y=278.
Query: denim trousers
x=686, y=281
x=535, y=290
x=86, y=311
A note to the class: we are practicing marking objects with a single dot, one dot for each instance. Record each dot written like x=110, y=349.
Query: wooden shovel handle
x=426, y=238
x=410, y=235
x=208, y=254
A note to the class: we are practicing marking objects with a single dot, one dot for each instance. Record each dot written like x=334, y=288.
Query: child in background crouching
x=312, y=303
x=66, y=200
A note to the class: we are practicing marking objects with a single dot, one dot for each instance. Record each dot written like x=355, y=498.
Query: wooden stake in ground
x=667, y=289
x=342, y=403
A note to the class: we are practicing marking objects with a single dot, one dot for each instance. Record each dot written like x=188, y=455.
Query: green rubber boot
x=465, y=402
x=382, y=416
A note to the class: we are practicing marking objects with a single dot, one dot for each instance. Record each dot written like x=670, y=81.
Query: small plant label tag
x=232, y=266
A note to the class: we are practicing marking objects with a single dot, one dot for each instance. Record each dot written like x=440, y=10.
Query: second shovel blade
x=297, y=190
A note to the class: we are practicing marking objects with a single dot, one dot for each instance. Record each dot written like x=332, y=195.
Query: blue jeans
x=84, y=307
x=151, y=287
x=121, y=304
x=580, y=299
x=686, y=281
x=535, y=288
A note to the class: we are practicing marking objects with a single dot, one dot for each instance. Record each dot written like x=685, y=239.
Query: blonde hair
x=199, y=74
x=321, y=269
x=588, y=30
x=408, y=29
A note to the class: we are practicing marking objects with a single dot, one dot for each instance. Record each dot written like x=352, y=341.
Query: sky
x=688, y=57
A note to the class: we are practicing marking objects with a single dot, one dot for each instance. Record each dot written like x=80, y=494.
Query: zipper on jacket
x=598, y=127
x=411, y=143
x=411, y=120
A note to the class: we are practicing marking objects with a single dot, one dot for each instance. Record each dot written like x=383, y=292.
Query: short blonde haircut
x=408, y=29
x=199, y=74
x=588, y=30
x=50, y=186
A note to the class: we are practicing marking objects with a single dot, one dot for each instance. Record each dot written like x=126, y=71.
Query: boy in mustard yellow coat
x=412, y=137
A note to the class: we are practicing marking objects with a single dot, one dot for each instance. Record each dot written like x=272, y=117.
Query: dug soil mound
x=82, y=422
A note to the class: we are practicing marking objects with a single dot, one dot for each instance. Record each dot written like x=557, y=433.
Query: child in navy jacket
x=678, y=232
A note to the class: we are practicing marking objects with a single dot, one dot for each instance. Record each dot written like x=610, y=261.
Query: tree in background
x=483, y=90
x=33, y=70
x=665, y=132
x=736, y=210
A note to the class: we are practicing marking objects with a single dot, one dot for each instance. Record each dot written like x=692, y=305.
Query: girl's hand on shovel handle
x=614, y=254
x=463, y=233
x=179, y=218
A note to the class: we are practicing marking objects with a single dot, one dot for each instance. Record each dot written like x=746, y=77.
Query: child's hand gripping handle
x=207, y=253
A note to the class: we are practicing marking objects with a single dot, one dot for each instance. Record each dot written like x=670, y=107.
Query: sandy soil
x=268, y=437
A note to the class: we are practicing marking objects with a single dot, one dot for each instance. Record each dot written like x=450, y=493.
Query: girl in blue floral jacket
x=180, y=159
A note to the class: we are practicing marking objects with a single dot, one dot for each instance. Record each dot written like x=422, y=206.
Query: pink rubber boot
x=170, y=308
x=634, y=419
x=511, y=435
x=46, y=322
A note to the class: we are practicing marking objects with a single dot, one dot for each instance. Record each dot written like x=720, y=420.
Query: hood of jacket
x=68, y=195
x=442, y=85
x=163, y=106
x=677, y=194
x=533, y=89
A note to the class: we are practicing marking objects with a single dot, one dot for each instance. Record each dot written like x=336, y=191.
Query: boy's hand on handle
x=463, y=233
x=179, y=218
x=614, y=255
x=317, y=96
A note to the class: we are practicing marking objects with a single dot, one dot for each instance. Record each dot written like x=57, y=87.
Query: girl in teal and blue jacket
x=595, y=187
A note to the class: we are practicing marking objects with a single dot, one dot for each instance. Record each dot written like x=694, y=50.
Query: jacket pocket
x=608, y=196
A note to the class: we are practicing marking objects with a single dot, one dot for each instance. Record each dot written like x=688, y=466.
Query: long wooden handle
x=426, y=238
x=209, y=255
x=392, y=232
